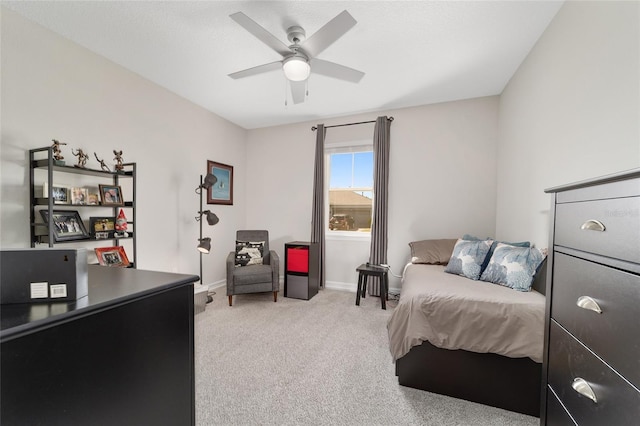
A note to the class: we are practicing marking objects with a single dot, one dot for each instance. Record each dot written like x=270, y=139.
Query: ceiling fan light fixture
x=296, y=68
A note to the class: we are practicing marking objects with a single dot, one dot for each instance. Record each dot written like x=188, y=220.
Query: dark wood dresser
x=123, y=355
x=591, y=369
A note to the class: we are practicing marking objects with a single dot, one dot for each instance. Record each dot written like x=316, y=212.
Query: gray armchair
x=254, y=278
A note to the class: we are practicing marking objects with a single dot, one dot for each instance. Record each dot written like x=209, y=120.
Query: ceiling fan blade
x=272, y=66
x=298, y=89
x=331, y=69
x=329, y=33
x=260, y=33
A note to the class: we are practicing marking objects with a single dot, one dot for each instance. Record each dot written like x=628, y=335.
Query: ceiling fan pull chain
x=285, y=92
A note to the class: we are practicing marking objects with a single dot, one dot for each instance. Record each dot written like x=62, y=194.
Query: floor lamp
x=204, y=244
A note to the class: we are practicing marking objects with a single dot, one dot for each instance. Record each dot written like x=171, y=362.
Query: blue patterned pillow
x=513, y=267
x=467, y=258
x=249, y=253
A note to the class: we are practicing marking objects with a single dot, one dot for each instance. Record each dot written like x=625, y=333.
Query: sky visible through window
x=351, y=170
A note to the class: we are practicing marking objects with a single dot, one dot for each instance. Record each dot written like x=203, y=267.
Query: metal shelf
x=48, y=165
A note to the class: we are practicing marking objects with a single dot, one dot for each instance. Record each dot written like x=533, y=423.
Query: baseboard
x=352, y=287
x=332, y=285
x=216, y=285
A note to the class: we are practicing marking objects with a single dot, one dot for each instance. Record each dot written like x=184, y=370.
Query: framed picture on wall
x=222, y=191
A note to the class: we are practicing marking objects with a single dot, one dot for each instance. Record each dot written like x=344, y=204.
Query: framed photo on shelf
x=111, y=195
x=102, y=228
x=60, y=193
x=67, y=225
x=222, y=191
x=79, y=196
x=93, y=199
x=112, y=256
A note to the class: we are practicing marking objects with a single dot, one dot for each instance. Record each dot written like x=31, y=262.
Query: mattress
x=454, y=312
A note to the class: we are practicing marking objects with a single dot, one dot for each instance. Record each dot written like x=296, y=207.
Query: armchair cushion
x=249, y=253
x=253, y=274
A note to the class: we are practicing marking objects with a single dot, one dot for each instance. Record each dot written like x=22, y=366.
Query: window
x=350, y=199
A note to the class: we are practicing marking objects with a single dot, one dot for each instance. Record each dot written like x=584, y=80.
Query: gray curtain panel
x=381, y=145
x=317, y=214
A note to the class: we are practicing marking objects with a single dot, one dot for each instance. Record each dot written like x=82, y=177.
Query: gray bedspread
x=454, y=312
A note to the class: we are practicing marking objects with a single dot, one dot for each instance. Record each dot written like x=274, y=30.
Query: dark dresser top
x=615, y=177
x=107, y=286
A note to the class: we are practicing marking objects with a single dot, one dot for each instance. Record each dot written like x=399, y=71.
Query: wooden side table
x=364, y=271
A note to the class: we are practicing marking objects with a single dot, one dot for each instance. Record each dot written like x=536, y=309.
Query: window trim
x=337, y=148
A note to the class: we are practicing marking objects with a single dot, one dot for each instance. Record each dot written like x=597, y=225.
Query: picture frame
x=111, y=195
x=67, y=225
x=79, y=196
x=102, y=227
x=112, y=256
x=93, y=199
x=222, y=191
x=60, y=193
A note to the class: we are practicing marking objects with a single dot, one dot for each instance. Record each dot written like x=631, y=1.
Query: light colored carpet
x=318, y=362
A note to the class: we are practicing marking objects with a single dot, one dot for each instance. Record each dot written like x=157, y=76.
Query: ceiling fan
x=300, y=58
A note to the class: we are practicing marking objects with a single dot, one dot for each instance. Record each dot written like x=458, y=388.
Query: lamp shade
x=205, y=245
x=296, y=68
x=212, y=218
x=209, y=181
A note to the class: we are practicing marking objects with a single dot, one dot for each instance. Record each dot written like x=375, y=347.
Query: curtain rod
x=314, y=128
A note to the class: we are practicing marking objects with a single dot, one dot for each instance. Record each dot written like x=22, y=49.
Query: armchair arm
x=275, y=269
x=231, y=264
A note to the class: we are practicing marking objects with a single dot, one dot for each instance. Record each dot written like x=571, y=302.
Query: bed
x=469, y=339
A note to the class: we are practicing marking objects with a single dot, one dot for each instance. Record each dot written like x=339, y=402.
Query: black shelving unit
x=53, y=170
x=301, y=270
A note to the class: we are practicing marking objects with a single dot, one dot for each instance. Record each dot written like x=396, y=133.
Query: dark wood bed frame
x=510, y=383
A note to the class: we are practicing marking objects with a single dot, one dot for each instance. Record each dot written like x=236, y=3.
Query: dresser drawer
x=556, y=414
x=617, y=402
x=621, y=235
x=611, y=334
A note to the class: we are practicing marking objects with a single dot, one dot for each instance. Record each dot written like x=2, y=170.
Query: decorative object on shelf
x=67, y=225
x=119, y=164
x=93, y=199
x=103, y=166
x=58, y=159
x=82, y=158
x=112, y=256
x=79, y=196
x=121, y=225
x=204, y=244
x=220, y=192
x=60, y=193
x=102, y=227
x=111, y=195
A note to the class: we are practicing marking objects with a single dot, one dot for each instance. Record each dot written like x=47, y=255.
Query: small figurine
x=58, y=159
x=121, y=225
x=103, y=166
x=82, y=158
x=118, y=157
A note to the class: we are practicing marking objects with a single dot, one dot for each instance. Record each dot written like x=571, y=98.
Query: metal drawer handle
x=582, y=387
x=586, y=302
x=593, y=225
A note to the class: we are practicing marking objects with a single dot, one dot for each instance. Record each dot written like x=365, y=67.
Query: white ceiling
x=413, y=52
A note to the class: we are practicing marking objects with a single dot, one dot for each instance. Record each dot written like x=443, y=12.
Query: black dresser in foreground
x=123, y=355
x=591, y=370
